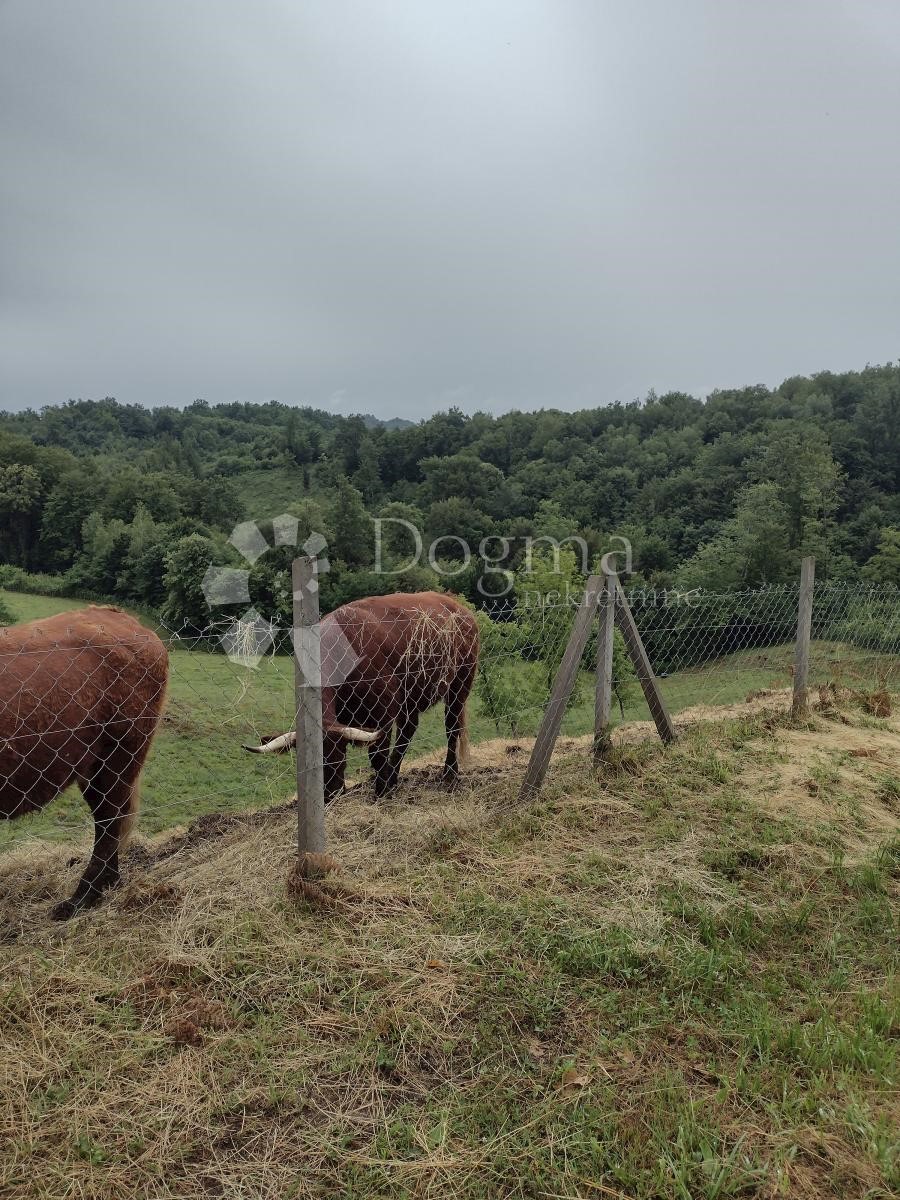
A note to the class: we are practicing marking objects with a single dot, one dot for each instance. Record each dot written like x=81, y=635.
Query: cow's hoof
x=450, y=782
x=86, y=895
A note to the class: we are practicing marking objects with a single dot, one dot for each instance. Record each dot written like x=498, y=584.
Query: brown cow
x=80, y=698
x=385, y=661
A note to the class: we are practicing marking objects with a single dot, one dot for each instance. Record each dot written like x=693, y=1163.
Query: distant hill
x=723, y=493
x=393, y=423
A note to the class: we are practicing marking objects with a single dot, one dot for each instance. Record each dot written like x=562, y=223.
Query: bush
x=699, y=627
x=509, y=695
x=17, y=579
x=864, y=618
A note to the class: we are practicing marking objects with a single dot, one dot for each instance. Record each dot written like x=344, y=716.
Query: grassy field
x=674, y=978
x=267, y=494
x=197, y=764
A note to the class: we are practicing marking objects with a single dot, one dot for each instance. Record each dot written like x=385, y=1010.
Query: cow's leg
x=379, y=759
x=407, y=724
x=334, y=765
x=455, y=723
x=112, y=799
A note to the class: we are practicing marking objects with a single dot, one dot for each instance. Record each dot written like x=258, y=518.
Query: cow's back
x=402, y=649
x=75, y=689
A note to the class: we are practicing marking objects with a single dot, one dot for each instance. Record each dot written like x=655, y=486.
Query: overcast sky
x=396, y=205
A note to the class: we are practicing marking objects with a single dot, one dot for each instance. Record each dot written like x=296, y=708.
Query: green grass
x=648, y=984
x=26, y=607
x=197, y=764
x=267, y=494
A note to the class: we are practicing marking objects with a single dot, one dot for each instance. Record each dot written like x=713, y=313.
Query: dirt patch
x=496, y=752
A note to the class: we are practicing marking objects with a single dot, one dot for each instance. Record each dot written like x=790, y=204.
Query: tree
x=214, y=501
x=398, y=541
x=367, y=478
x=347, y=443
x=752, y=548
x=798, y=460
x=551, y=521
x=185, y=606
x=884, y=565
x=877, y=420
x=131, y=487
x=141, y=576
x=304, y=443
x=20, y=497
x=674, y=474
x=457, y=527
x=104, y=554
x=69, y=503
x=511, y=694
x=352, y=526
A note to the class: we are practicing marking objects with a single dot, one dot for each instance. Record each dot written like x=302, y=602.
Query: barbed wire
x=73, y=695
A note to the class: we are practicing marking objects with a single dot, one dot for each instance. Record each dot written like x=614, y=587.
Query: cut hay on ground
x=667, y=977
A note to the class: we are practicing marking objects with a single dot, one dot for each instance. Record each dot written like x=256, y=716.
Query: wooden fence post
x=603, y=692
x=562, y=690
x=804, y=629
x=652, y=694
x=308, y=694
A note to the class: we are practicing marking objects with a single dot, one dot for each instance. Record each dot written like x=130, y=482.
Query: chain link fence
x=232, y=684
x=717, y=649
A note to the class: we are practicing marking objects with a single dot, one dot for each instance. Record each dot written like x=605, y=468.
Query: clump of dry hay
x=877, y=703
x=834, y=696
x=433, y=648
x=306, y=879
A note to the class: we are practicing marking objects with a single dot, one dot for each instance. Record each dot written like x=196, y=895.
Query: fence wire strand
x=76, y=698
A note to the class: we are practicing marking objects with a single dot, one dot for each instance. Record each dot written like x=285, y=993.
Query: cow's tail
x=130, y=814
x=150, y=722
x=463, y=748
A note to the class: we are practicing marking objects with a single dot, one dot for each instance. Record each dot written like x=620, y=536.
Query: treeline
x=116, y=500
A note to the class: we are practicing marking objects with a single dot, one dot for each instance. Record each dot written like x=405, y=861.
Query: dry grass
x=670, y=978
x=434, y=647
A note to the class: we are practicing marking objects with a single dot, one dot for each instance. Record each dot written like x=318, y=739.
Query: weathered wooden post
x=308, y=694
x=603, y=692
x=562, y=690
x=635, y=646
x=799, y=707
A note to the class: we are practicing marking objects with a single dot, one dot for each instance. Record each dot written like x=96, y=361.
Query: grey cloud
x=398, y=205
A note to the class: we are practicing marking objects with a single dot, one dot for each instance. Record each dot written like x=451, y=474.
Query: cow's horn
x=275, y=745
x=352, y=734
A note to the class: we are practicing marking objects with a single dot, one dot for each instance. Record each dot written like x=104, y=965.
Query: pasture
x=197, y=765
x=672, y=979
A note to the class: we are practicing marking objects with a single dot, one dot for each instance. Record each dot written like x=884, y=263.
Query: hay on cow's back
x=433, y=647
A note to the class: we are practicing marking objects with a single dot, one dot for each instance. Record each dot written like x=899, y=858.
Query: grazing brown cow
x=385, y=661
x=80, y=698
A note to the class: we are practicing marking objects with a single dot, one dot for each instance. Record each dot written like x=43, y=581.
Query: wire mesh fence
x=232, y=684
x=715, y=649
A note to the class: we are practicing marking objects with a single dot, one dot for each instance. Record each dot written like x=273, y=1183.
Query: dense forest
x=103, y=499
